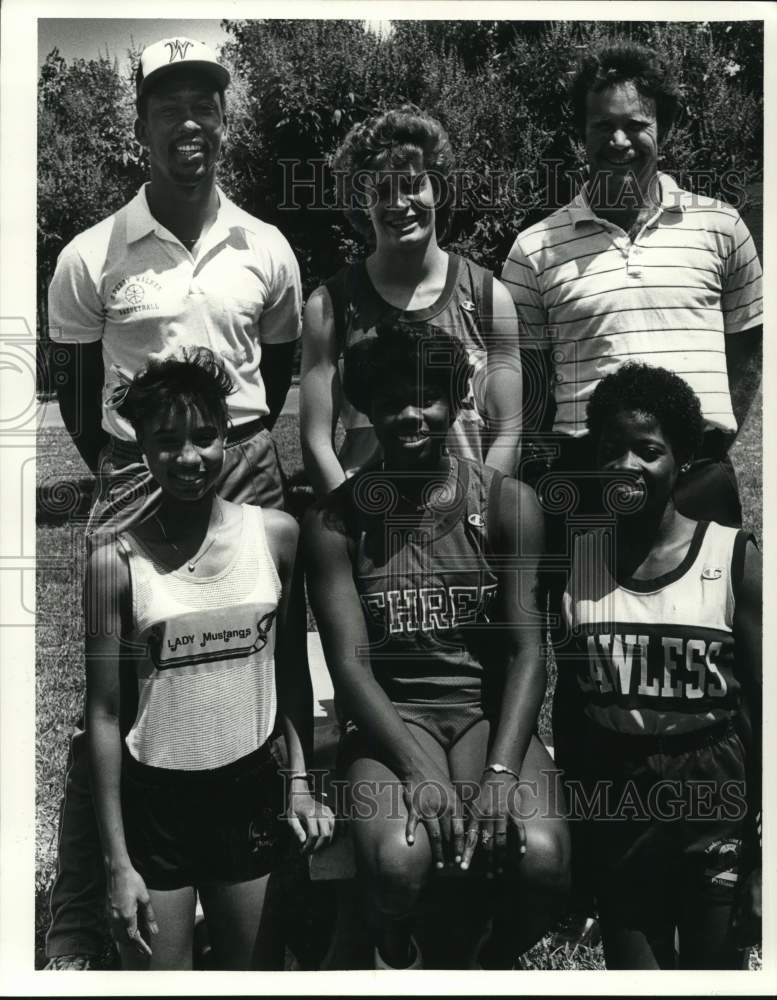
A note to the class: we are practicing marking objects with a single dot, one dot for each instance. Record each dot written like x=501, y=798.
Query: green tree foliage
x=512, y=129
x=299, y=87
x=497, y=86
x=88, y=161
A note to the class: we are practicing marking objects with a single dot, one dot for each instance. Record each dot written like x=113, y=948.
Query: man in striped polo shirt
x=636, y=269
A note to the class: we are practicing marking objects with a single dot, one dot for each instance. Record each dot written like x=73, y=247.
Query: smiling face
x=183, y=128
x=621, y=142
x=411, y=421
x=400, y=204
x=184, y=450
x=634, y=445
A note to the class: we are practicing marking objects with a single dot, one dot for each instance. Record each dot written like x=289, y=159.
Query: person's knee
x=398, y=872
x=545, y=867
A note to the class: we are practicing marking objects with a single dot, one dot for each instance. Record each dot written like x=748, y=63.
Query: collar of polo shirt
x=672, y=200
x=140, y=221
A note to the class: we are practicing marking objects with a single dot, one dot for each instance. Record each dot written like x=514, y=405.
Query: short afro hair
x=620, y=62
x=641, y=388
x=391, y=141
x=413, y=351
x=192, y=377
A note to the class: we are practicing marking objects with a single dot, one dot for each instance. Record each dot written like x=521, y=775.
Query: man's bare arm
x=744, y=365
x=276, y=368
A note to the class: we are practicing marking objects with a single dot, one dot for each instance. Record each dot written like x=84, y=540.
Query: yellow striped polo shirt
x=690, y=277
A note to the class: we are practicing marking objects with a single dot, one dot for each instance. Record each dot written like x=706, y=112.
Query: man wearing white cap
x=178, y=265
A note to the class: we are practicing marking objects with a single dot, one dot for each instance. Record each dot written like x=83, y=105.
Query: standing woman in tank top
x=657, y=715
x=195, y=619
x=394, y=175
x=422, y=574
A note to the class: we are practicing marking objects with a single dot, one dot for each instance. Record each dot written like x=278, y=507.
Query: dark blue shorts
x=652, y=823
x=446, y=723
x=192, y=829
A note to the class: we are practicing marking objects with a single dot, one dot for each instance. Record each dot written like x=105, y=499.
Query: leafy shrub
x=499, y=88
x=298, y=86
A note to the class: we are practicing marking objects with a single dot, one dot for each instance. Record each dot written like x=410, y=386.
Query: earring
x=685, y=467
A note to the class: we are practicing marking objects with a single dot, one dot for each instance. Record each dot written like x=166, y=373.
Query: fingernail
x=523, y=850
x=410, y=840
x=464, y=866
x=440, y=864
x=458, y=859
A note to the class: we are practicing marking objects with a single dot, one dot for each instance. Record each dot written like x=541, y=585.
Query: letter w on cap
x=178, y=48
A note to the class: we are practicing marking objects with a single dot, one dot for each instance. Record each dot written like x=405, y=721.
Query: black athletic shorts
x=194, y=828
x=657, y=820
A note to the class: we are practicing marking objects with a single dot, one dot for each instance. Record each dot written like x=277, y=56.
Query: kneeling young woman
x=657, y=715
x=421, y=574
x=194, y=619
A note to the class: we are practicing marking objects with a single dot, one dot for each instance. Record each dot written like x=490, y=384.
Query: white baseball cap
x=160, y=58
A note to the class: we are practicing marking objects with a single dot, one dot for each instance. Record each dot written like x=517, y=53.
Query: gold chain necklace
x=191, y=564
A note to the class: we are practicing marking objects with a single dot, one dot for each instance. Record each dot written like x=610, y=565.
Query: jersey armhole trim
x=334, y=286
x=128, y=550
x=264, y=546
x=738, y=560
x=493, y=510
x=482, y=283
x=488, y=302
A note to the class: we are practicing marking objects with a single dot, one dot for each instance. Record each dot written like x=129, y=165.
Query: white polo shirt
x=133, y=285
x=690, y=277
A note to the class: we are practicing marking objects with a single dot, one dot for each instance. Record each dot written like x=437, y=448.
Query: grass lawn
x=63, y=500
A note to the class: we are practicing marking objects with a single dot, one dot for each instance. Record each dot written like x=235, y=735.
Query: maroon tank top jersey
x=426, y=587
x=463, y=310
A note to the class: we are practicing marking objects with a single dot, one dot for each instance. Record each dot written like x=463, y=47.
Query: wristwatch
x=501, y=769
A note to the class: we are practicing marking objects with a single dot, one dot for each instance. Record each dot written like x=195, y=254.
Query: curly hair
x=622, y=61
x=641, y=388
x=413, y=351
x=192, y=377
x=390, y=141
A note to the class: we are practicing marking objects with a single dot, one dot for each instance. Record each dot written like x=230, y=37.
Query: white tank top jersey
x=655, y=656
x=206, y=679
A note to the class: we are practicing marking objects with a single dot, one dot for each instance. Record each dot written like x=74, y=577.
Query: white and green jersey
x=654, y=656
x=206, y=666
